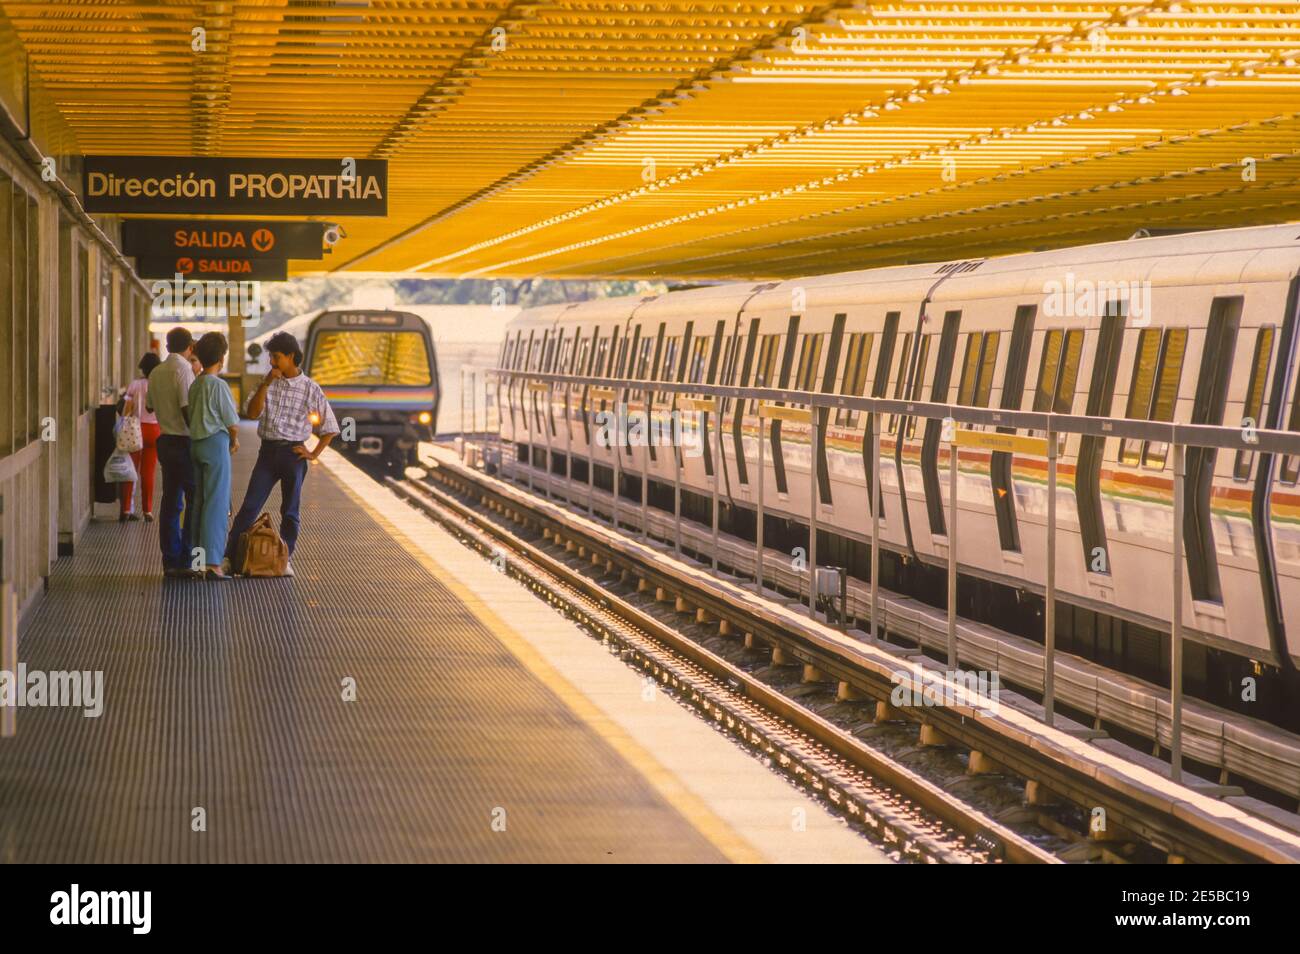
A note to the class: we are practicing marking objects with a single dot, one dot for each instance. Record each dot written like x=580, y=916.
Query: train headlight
x=425, y=417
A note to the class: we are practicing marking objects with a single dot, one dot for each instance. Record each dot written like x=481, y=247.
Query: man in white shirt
x=287, y=403
x=167, y=398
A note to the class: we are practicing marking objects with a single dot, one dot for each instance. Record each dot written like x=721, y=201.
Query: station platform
x=485, y=726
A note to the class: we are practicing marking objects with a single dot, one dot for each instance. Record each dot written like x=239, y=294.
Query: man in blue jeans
x=286, y=402
x=168, y=397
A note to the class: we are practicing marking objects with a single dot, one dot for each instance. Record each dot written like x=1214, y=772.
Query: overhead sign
x=177, y=237
x=202, y=185
x=208, y=269
x=992, y=440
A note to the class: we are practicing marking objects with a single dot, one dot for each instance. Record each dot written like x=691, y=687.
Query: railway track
x=1053, y=826
x=908, y=816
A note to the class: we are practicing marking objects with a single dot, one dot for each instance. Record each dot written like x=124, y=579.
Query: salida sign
x=158, y=237
x=202, y=185
x=208, y=268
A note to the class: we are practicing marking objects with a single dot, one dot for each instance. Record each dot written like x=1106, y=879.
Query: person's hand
x=271, y=376
x=234, y=447
x=302, y=451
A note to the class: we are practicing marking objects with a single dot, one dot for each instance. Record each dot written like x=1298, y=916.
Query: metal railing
x=777, y=402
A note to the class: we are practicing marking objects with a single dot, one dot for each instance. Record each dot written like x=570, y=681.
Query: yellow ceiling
x=687, y=139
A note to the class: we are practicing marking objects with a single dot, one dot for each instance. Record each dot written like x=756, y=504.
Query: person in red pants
x=145, y=459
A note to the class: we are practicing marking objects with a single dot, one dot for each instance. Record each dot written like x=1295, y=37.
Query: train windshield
x=393, y=358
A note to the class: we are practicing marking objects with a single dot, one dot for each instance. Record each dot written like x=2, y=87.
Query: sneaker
x=288, y=568
x=133, y=517
x=226, y=568
x=148, y=517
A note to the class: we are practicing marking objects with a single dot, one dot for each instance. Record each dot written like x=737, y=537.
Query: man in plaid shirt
x=287, y=403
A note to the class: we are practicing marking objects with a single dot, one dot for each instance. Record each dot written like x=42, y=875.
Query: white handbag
x=119, y=469
x=129, y=437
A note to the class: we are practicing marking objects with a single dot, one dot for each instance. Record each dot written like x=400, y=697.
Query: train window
x=729, y=360
x=977, y=369
x=1290, y=470
x=810, y=356
x=1168, y=376
x=1058, y=372
x=563, y=354
x=641, y=370
x=1253, y=406
x=509, y=353
x=598, y=359
x=854, y=382
x=765, y=373
x=548, y=352
x=667, y=369
x=698, y=363
x=922, y=363
x=396, y=358
x=900, y=381
x=580, y=357
x=970, y=368
x=1139, y=394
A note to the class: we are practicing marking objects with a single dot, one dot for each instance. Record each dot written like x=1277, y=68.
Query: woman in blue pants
x=214, y=436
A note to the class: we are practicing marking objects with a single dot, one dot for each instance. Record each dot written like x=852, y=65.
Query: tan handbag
x=260, y=551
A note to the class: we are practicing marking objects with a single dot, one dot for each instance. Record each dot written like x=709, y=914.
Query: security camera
x=333, y=234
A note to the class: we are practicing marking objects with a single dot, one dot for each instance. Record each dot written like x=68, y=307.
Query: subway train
x=1197, y=327
x=379, y=370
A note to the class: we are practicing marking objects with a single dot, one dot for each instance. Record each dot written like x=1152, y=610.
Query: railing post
x=1049, y=593
x=531, y=437
x=589, y=428
x=812, y=514
x=646, y=437
x=877, y=495
x=568, y=445
x=758, y=530
x=546, y=429
x=1176, y=625
x=952, y=552
x=717, y=473
x=675, y=429
x=620, y=411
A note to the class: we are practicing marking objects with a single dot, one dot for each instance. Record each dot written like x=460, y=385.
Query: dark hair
x=211, y=348
x=284, y=343
x=149, y=362
x=178, y=339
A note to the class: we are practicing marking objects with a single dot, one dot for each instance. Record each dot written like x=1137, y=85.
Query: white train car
x=1197, y=328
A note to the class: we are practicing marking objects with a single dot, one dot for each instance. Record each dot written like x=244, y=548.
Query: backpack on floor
x=260, y=551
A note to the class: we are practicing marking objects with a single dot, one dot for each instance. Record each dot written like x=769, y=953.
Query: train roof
x=1255, y=253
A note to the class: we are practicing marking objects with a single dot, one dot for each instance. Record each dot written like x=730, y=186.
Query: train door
x=1013, y=387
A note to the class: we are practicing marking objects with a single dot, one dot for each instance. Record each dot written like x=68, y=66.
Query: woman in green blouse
x=214, y=436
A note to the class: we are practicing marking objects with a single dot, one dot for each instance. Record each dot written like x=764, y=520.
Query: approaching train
x=379, y=371
x=1197, y=327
